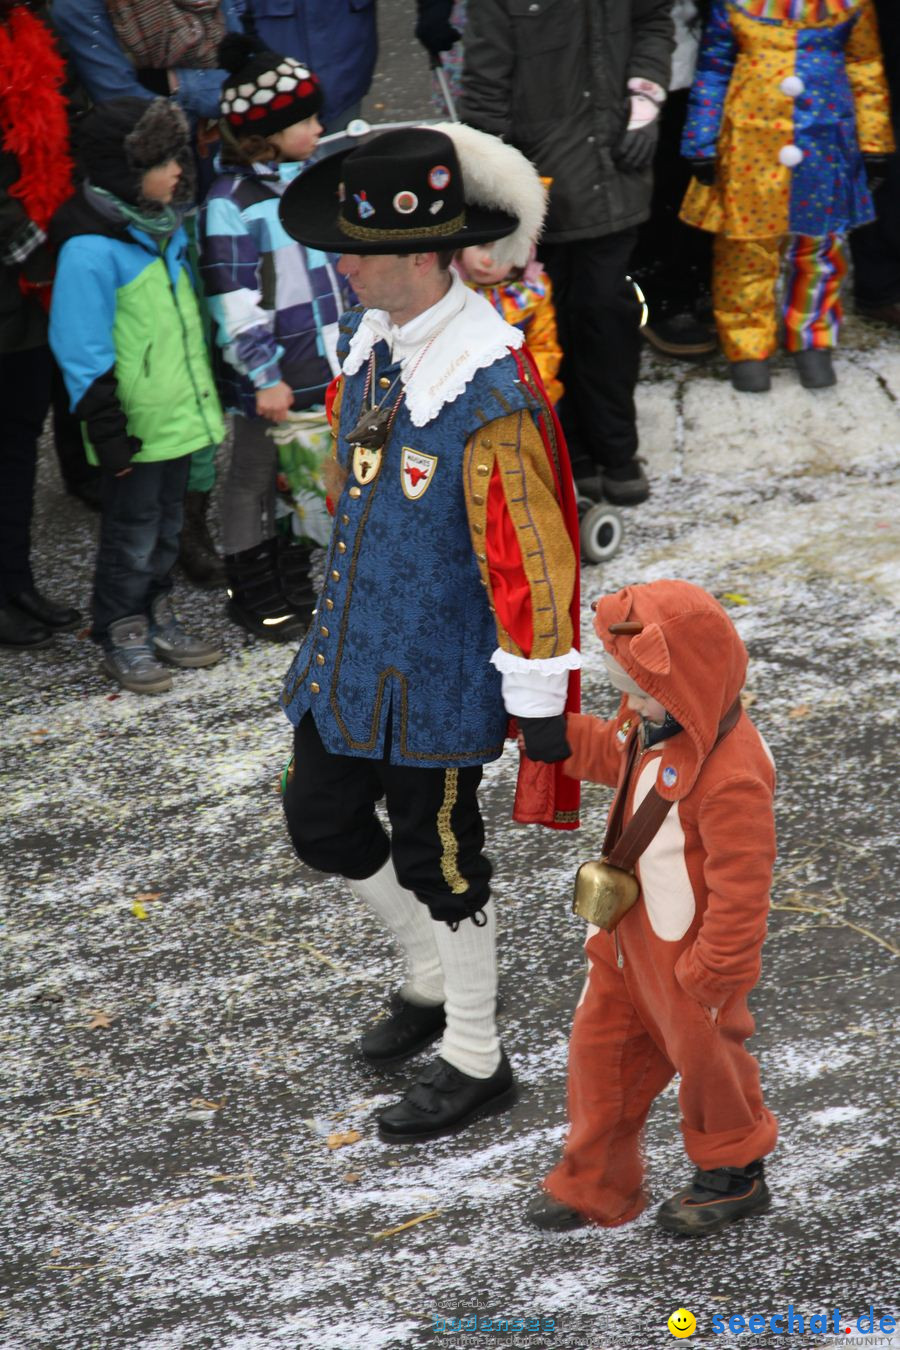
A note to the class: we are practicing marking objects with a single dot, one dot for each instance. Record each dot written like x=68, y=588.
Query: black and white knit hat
x=264, y=92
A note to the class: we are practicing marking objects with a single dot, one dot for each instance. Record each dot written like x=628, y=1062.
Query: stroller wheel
x=601, y=532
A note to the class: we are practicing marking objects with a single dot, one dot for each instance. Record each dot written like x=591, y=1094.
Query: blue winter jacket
x=107, y=72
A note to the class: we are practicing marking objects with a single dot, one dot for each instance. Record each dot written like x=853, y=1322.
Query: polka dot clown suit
x=788, y=98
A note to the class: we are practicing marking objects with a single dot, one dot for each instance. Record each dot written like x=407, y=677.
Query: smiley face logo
x=682, y=1323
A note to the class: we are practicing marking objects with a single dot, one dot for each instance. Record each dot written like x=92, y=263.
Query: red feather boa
x=33, y=119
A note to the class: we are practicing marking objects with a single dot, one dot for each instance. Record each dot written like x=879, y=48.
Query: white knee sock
x=411, y=924
x=469, y=960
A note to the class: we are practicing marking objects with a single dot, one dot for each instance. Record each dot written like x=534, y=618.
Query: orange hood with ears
x=678, y=644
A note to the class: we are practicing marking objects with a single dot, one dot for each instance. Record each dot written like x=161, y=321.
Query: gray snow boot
x=129, y=660
x=750, y=377
x=814, y=368
x=175, y=646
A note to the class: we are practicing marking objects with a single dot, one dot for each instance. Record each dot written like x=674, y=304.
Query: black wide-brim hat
x=395, y=191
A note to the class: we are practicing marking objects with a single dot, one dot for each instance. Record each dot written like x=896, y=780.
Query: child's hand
x=275, y=402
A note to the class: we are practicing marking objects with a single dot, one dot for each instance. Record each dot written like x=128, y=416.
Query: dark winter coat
x=551, y=77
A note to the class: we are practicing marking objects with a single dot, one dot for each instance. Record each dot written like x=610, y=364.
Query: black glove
x=704, y=170
x=545, y=738
x=876, y=170
x=637, y=148
x=433, y=27
x=155, y=81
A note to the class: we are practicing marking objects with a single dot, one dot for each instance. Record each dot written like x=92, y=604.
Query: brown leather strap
x=622, y=848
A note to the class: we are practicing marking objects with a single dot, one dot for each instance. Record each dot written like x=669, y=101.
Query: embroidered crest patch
x=416, y=472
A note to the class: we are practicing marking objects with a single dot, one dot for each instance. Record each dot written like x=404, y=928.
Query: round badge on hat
x=405, y=203
x=669, y=776
x=439, y=177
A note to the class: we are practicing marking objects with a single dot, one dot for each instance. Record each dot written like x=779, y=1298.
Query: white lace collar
x=466, y=334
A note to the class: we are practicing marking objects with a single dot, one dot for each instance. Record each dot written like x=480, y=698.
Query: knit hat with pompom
x=264, y=92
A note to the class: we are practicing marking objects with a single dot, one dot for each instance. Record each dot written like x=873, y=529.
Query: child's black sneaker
x=715, y=1199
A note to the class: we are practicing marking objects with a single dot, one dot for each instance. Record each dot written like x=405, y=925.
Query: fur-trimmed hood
x=685, y=652
x=120, y=140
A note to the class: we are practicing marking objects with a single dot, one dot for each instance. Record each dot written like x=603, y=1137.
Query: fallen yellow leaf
x=735, y=598
x=138, y=910
x=341, y=1138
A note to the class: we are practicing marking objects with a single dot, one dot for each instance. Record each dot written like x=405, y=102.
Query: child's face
x=297, y=141
x=647, y=707
x=478, y=261
x=159, y=184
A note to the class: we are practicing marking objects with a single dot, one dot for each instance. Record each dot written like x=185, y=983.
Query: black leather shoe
x=552, y=1216
x=19, y=632
x=57, y=617
x=444, y=1100
x=681, y=335
x=715, y=1199
x=814, y=368
x=404, y=1030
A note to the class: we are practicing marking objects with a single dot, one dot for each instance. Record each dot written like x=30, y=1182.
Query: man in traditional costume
x=450, y=595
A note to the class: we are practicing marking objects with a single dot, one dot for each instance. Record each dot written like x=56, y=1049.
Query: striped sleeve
x=231, y=268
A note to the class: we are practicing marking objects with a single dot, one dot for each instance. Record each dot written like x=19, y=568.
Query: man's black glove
x=433, y=27
x=545, y=738
x=704, y=170
x=637, y=147
x=876, y=170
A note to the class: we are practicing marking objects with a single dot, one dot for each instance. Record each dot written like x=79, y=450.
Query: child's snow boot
x=173, y=644
x=256, y=598
x=197, y=552
x=814, y=368
x=130, y=660
x=715, y=1199
x=750, y=377
x=296, y=582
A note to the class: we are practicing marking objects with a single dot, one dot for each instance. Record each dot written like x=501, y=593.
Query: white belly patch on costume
x=666, y=885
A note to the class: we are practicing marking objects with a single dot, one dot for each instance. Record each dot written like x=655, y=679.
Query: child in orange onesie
x=666, y=992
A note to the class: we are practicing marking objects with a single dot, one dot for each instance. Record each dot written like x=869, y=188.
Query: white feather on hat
x=497, y=175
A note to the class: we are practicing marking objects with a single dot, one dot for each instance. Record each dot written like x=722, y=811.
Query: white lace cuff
x=535, y=688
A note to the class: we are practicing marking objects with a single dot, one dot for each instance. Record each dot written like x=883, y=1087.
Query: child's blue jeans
x=140, y=530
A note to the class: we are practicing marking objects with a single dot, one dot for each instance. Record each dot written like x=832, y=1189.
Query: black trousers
x=598, y=317
x=24, y=400
x=672, y=261
x=876, y=247
x=437, y=834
